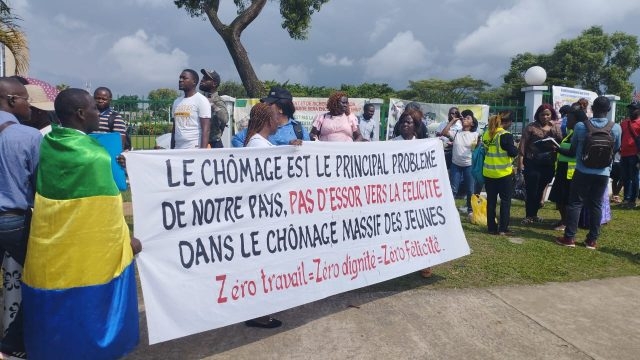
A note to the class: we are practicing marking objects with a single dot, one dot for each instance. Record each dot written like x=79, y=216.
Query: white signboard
x=434, y=114
x=233, y=234
x=567, y=96
x=306, y=110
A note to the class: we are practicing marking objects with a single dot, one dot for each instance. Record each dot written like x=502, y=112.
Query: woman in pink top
x=338, y=124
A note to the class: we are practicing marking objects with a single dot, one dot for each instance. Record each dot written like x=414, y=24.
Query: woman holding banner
x=408, y=124
x=262, y=123
x=338, y=124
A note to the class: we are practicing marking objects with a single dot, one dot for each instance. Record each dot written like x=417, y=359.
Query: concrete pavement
x=595, y=319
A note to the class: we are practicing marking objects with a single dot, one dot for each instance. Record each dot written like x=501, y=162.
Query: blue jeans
x=14, y=232
x=586, y=190
x=458, y=174
x=629, y=167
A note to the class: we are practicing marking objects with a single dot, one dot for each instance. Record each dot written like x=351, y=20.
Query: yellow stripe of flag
x=63, y=252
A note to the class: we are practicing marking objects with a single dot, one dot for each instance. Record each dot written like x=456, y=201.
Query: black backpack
x=597, y=152
x=111, y=123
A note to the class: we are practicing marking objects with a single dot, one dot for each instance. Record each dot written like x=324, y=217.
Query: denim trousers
x=14, y=232
x=462, y=175
x=586, y=190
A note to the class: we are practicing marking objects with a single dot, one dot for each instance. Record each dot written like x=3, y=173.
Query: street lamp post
x=534, y=77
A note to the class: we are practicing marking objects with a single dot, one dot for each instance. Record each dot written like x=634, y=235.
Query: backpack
x=597, y=152
x=111, y=123
x=477, y=163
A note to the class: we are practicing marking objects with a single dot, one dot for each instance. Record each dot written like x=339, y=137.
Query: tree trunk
x=231, y=36
x=248, y=76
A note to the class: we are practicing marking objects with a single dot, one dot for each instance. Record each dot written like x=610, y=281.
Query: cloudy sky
x=134, y=46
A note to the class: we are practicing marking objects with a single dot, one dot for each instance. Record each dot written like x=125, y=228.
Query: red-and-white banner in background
x=233, y=234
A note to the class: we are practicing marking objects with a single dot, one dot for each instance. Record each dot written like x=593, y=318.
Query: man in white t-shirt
x=191, y=114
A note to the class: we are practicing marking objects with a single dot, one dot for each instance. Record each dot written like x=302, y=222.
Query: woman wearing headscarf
x=338, y=124
x=537, y=159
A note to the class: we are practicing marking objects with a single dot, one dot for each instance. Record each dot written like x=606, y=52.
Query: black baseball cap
x=277, y=93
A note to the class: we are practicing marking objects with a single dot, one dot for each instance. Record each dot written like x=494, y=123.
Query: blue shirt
x=282, y=136
x=19, y=157
x=579, y=136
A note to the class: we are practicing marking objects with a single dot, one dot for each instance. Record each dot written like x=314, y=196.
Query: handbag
x=477, y=163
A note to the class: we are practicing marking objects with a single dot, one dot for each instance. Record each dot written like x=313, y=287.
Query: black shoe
x=265, y=323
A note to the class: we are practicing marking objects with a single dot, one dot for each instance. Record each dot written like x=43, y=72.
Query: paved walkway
x=596, y=319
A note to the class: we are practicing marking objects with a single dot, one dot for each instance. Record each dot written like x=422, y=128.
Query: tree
x=460, y=90
x=126, y=103
x=160, y=101
x=296, y=15
x=233, y=89
x=13, y=38
x=593, y=61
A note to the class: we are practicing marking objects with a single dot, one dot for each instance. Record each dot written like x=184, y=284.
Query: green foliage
x=126, y=103
x=365, y=90
x=160, y=101
x=296, y=16
x=594, y=61
x=232, y=89
x=460, y=90
x=153, y=128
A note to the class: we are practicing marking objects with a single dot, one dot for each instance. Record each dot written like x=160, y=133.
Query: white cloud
x=537, y=25
x=403, y=55
x=154, y=3
x=294, y=74
x=68, y=23
x=148, y=59
x=330, y=59
x=380, y=27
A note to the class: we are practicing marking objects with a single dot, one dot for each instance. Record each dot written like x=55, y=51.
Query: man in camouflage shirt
x=219, y=114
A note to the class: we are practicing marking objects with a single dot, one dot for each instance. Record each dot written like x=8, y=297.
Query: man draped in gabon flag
x=79, y=293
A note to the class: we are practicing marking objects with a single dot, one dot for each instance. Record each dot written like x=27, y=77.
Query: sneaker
x=532, y=220
x=565, y=241
x=590, y=244
x=559, y=227
x=506, y=233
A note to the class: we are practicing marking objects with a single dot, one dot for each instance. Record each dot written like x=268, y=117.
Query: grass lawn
x=531, y=255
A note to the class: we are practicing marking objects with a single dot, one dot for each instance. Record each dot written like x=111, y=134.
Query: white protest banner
x=434, y=114
x=306, y=110
x=567, y=96
x=233, y=234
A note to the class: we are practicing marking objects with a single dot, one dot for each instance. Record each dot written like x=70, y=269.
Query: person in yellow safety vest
x=498, y=171
x=565, y=167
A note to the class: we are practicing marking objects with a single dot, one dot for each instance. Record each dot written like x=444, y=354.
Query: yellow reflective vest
x=497, y=163
x=571, y=161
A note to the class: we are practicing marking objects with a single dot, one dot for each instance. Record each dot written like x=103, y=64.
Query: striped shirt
x=118, y=123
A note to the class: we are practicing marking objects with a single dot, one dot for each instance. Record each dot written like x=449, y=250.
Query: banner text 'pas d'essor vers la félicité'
x=233, y=234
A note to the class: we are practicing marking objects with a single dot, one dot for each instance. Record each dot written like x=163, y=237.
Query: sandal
x=264, y=322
